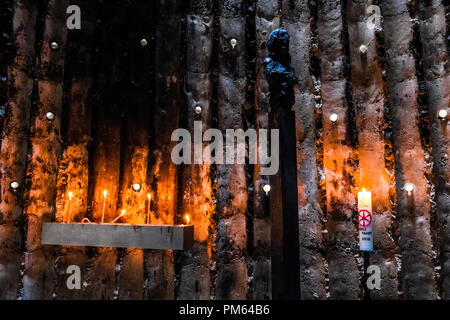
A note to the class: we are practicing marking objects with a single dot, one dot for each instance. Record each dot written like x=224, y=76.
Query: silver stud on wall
x=144, y=42
x=50, y=115
x=137, y=187
x=409, y=187
x=334, y=117
x=266, y=188
x=15, y=185
x=198, y=109
x=363, y=49
x=233, y=43
x=54, y=45
x=442, y=114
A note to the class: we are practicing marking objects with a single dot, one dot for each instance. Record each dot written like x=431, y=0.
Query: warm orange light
x=105, y=192
x=187, y=218
x=70, y=195
x=123, y=212
x=149, y=196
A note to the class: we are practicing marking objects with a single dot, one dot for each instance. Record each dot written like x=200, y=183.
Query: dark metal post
x=283, y=196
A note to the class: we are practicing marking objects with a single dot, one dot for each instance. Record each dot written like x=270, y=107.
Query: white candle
x=104, y=205
x=121, y=215
x=148, y=208
x=68, y=207
x=365, y=220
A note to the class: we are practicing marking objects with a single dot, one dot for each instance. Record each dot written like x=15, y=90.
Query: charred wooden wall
x=115, y=102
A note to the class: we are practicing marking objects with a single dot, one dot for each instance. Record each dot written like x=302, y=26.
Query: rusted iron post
x=283, y=197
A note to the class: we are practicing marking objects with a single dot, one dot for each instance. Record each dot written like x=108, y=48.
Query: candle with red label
x=365, y=220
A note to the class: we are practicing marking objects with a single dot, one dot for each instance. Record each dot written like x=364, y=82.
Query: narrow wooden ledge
x=168, y=237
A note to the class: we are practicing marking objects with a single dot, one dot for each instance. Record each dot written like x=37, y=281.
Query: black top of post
x=279, y=72
x=283, y=204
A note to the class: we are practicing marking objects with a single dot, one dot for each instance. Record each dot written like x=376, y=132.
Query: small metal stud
x=363, y=48
x=409, y=187
x=136, y=187
x=15, y=185
x=266, y=188
x=50, y=115
x=144, y=42
x=233, y=43
x=54, y=45
x=442, y=114
x=198, y=109
x=333, y=117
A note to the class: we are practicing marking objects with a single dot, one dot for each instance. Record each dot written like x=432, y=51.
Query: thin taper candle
x=148, y=208
x=104, y=205
x=68, y=207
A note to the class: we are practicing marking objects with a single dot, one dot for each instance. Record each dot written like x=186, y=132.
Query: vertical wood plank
x=39, y=277
x=197, y=194
x=159, y=265
x=73, y=168
x=369, y=99
x=232, y=195
x=267, y=19
x=13, y=158
x=437, y=82
x=296, y=20
x=105, y=152
x=337, y=155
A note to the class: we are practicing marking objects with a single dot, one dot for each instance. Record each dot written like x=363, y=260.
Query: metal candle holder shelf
x=144, y=236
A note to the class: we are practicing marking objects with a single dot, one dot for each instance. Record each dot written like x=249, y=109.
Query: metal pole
x=283, y=197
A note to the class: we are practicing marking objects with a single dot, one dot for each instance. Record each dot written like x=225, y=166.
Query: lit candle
x=68, y=206
x=187, y=218
x=121, y=215
x=148, y=207
x=365, y=220
x=105, y=193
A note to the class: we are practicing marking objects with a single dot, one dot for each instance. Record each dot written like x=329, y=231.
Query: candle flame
x=123, y=212
x=149, y=196
x=105, y=192
x=70, y=195
x=187, y=218
x=364, y=190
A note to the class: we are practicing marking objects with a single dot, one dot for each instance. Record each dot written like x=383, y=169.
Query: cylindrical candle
x=365, y=220
x=148, y=208
x=68, y=207
x=105, y=193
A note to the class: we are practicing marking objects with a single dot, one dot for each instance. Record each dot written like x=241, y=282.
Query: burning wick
x=121, y=215
x=409, y=187
x=333, y=117
x=267, y=188
x=187, y=218
x=68, y=206
x=442, y=114
x=105, y=193
x=149, y=197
